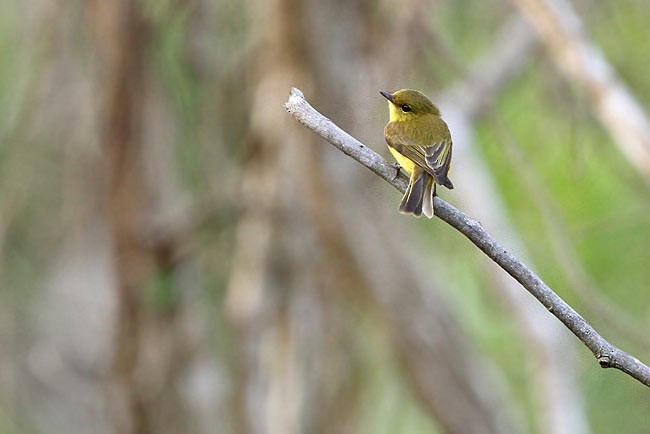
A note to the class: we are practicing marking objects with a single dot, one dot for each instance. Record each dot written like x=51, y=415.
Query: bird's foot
x=397, y=168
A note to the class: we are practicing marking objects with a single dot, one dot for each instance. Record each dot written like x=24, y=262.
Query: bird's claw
x=397, y=168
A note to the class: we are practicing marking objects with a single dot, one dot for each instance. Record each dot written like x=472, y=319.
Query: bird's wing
x=434, y=159
x=438, y=157
x=410, y=150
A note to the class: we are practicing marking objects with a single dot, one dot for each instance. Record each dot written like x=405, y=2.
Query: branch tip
x=297, y=93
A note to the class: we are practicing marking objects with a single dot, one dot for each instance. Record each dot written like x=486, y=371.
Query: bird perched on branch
x=420, y=141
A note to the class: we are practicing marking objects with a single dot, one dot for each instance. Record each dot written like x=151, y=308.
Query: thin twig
x=608, y=356
x=562, y=244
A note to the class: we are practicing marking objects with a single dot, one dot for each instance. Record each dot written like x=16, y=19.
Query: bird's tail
x=418, y=198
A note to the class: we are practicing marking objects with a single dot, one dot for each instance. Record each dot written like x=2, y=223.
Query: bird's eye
x=406, y=108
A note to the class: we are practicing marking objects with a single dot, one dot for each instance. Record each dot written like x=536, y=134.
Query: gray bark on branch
x=608, y=355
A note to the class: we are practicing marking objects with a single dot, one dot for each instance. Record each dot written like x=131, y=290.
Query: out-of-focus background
x=179, y=255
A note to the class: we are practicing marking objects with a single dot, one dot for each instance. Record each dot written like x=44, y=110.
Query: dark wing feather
x=438, y=157
x=434, y=159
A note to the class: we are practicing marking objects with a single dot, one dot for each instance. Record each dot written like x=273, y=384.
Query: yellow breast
x=406, y=164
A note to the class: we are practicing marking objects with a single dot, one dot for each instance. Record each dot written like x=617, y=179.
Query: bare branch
x=608, y=356
x=551, y=355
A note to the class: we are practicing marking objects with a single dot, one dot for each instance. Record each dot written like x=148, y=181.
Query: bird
x=420, y=141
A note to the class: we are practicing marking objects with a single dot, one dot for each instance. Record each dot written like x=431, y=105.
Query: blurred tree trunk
x=150, y=346
x=121, y=41
x=272, y=263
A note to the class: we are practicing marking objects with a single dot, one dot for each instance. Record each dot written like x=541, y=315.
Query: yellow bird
x=420, y=141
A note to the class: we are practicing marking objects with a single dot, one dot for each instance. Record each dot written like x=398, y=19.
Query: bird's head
x=407, y=104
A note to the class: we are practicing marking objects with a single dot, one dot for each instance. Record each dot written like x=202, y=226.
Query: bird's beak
x=387, y=95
